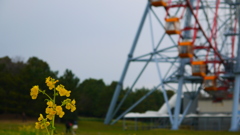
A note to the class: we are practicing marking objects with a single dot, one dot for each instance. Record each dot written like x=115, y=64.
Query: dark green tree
x=89, y=98
x=34, y=73
x=9, y=84
x=105, y=97
x=92, y=96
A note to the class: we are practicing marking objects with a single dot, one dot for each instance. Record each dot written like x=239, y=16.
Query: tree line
x=92, y=96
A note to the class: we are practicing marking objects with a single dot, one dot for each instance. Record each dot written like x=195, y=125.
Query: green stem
x=54, y=98
x=46, y=127
x=45, y=94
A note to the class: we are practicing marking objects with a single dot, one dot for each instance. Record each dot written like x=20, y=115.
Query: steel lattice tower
x=197, y=41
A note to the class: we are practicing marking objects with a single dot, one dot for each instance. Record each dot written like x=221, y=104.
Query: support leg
x=178, y=105
x=234, y=122
x=179, y=96
x=109, y=115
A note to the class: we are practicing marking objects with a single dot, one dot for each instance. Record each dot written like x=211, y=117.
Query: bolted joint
x=130, y=55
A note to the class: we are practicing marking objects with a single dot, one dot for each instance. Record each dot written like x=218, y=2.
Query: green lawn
x=93, y=126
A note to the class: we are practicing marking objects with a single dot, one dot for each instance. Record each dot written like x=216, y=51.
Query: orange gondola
x=158, y=3
x=199, y=68
x=185, y=49
x=172, y=26
x=210, y=83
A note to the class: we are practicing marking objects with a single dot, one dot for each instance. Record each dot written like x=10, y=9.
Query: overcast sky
x=90, y=37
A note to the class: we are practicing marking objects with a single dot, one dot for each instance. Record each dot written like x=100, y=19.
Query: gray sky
x=91, y=38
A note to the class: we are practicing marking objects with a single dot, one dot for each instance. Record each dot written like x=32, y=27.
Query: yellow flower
x=51, y=82
x=50, y=111
x=68, y=93
x=62, y=91
x=58, y=109
x=73, y=102
x=50, y=117
x=61, y=114
x=47, y=123
x=68, y=106
x=40, y=118
x=42, y=126
x=73, y=108
x=37, y=125
x=42, y=123
x=50, y=104
x=34, y=91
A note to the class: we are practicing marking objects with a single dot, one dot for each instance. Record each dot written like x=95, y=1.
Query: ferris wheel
x=196, y=42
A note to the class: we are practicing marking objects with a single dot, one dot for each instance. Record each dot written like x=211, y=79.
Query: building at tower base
x=204, y=114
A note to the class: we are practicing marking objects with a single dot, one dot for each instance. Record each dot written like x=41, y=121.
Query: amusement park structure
x=198, y=43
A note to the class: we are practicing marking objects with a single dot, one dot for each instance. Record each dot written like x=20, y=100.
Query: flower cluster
x=62, y=91
x=70, y=105
x=51, y=82
x=42, y=123
x=50, y=111
x=34, y=91
x=52, y=108
x=59, y=111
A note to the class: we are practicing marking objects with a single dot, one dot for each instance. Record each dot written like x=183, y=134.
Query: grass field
x=91, y=126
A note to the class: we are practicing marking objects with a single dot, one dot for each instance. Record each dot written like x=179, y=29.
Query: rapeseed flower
x=40, y=118
x=59, y=111
x=62, y=91
x=49, y=110
x=42, y=123
x=37, y=125
x=34, y=91
x=52, y=108
x=50, y=113
x=50, y=104
x=50, y=117
x=70, y=105
x=60, y=114
x=73, y=107
x=73, y=102
x=51, y=82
